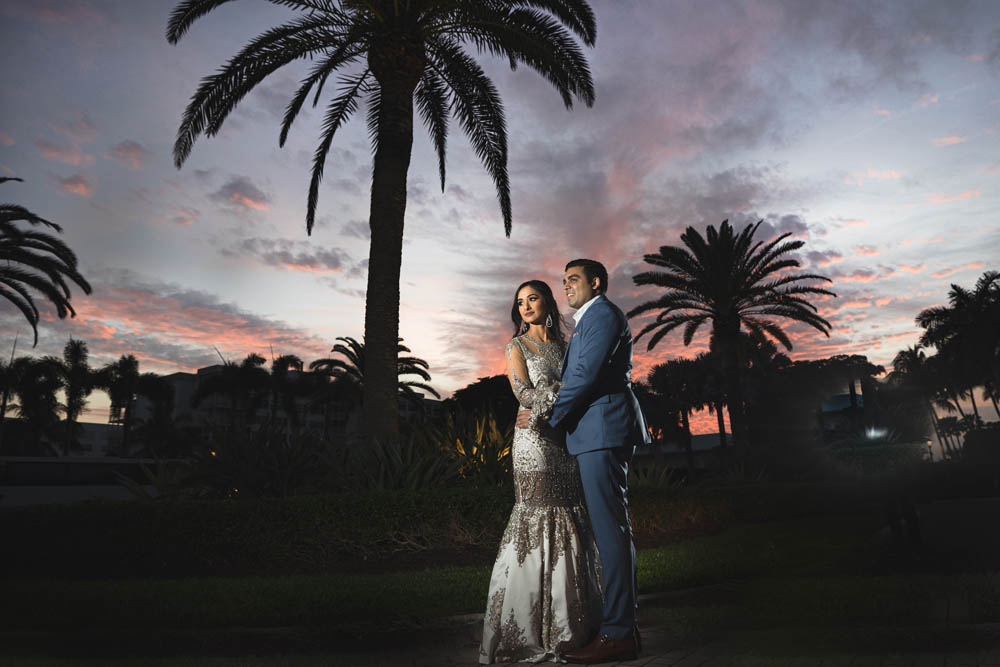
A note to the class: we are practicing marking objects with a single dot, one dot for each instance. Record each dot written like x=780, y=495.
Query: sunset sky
x=869, y=130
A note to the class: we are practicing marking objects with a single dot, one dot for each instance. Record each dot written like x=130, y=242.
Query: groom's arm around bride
x=603, y=423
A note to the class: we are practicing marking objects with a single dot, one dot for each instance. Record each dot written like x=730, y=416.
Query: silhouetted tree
x=729, y=281
x=243, y=385
x=78, y=382
x=403, y=53
x=35, y=261
x=967, y=330
x=679, y=382
x=488, y=394
x=352, y=370
x=287, y=385
x=38, y=380
x=120, y=379
x=157, y=434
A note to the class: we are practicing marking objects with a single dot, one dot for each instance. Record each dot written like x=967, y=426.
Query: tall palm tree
x=351, y=371
x=78, y=382
x=726, y=279
x=35, y=261
x=396, y=54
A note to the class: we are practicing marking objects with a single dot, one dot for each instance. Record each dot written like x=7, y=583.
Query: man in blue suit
x=603, y=424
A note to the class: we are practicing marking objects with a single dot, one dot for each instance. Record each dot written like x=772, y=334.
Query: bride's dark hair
x=551, y=308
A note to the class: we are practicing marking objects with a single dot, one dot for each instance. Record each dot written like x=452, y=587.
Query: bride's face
x=531, y=305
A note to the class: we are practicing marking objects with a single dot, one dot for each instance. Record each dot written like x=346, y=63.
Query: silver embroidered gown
x=545, y=596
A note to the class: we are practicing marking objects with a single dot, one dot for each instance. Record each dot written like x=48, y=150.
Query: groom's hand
x=523, y=419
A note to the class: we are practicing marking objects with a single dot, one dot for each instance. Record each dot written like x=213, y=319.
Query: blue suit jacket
x=596, y=406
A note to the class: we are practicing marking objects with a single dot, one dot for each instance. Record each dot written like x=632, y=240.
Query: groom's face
x=578, y=289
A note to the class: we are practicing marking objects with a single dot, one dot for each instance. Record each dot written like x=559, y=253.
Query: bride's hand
x=523, y=419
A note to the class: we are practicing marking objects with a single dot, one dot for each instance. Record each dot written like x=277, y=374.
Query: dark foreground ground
x=677, y=631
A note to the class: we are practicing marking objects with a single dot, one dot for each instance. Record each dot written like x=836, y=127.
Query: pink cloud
x=185, y=216
x=927, y=99
x=6, y=139
x=975, y=58
x=824, y=258
x=77, y=184
x=240, y=193
x=885, y=113
x=858, y=303
x=176, y=330
x=883, y=301
x=866, y=250
x=853, y=222
x=946, y=199
x=129, y=152
x=884, y=174
x=944, y=273
x=66, y=154
x=912, y=269
x=859, y=276
x=949, y=140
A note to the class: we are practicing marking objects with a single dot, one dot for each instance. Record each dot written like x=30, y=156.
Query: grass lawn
x=800, y=573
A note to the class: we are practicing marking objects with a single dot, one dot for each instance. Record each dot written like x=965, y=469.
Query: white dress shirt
x=579, y=313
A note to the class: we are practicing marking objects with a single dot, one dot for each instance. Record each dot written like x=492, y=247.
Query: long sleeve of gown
x=538, y=398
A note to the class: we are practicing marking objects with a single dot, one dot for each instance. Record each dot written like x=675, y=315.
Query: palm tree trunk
x=854, y=402
x=732, y=373
x=975, y=409
x=722, y=425
x=688, y=449
x=393, y=69
x=934, y=422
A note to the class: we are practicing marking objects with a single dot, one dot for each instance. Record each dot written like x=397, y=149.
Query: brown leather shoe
x=604, y=649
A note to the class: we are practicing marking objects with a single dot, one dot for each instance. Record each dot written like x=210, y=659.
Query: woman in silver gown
x=545, y=595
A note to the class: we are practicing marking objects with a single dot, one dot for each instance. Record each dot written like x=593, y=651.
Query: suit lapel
x=572, y=335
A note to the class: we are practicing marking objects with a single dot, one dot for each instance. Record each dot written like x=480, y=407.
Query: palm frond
x=476, y=103
x=337, y=113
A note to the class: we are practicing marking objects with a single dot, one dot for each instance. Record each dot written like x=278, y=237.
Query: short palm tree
x=78, y=382
x=286, y=387
x=35, y=261
x=394, y=55
x=120, y=379
x=37, y=404
x=966, y=332
x=350, y=372
x=727, y=280
x=244, y=386
x=679, y=381
x=911, y=371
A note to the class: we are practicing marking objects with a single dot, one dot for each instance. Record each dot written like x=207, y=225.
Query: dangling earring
x=548, y=321
x=524, y=326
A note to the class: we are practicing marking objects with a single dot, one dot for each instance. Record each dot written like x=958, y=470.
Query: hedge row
x=336, y=533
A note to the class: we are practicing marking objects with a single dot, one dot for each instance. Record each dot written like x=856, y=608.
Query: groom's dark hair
x=592, y=269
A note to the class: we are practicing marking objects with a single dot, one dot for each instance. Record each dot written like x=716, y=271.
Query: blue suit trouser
x=604, y=474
